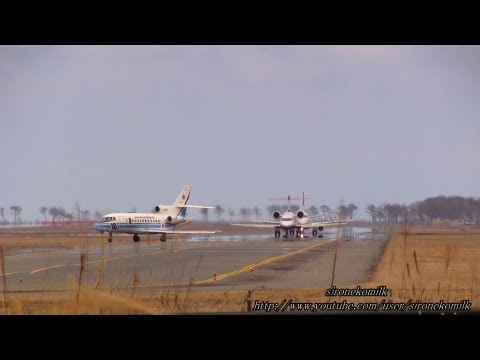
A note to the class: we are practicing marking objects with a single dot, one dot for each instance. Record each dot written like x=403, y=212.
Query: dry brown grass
x=89, y=302
x=431, y=268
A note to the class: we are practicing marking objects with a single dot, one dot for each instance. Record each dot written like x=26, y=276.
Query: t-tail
x=179, y=207
x=183, y=197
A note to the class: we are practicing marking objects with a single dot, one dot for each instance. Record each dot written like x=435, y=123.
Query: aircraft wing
x=155, y=231
x=324, y=224
x=193, y=232
x=267, y=225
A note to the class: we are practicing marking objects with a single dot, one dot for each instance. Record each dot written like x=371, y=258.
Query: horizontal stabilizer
x=197, y=206
x=266, y=226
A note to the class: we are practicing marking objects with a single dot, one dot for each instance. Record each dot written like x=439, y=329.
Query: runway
x=198, y=263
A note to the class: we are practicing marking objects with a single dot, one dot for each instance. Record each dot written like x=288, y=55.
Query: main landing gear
x=109, y=237
x=299, y=233
x=136, y=238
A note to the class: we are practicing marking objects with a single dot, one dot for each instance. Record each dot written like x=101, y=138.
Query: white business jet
x=291, y=222
x=163, y=220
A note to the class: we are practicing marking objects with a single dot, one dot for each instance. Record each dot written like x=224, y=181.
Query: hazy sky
x=115, y=127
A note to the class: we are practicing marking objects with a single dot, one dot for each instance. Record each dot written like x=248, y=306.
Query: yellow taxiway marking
x=246, y=268
x=10, y=273
x=104, y=260
x=210, y=280
x=264, y=262
x=39, y=252
x=96, y=261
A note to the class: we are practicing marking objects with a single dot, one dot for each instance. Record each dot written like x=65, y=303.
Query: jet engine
x=302, y=218
x=169, y=219
x=276, y=215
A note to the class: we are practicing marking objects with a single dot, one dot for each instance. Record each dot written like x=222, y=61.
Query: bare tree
x=313, y=210
x=219, y=210
x=245, y=213
x=204, y=212
x=325, y=209
x=231, y=213
x=43, y=210
x=16, y=210
x=62, y=214
x=77, y=210
x=351, y=208
x=372, y=211
x=2, y=214
x=343, y=212
x=257, y=211
x=98, y=215
x=52, y=211
x=85, y=215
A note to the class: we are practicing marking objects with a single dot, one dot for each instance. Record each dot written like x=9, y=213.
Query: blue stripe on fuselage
x=126, y=227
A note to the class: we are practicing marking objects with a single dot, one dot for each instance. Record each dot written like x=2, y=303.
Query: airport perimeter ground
x=58, y=270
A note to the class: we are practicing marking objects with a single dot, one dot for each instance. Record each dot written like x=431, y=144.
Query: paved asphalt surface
x=220, y=263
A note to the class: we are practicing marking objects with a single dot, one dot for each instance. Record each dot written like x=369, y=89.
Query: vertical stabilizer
x=183, y=197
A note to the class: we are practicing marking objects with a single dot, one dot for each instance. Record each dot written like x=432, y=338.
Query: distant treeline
x=433, y=208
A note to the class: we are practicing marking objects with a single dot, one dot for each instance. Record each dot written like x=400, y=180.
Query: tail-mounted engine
x=300, y=214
